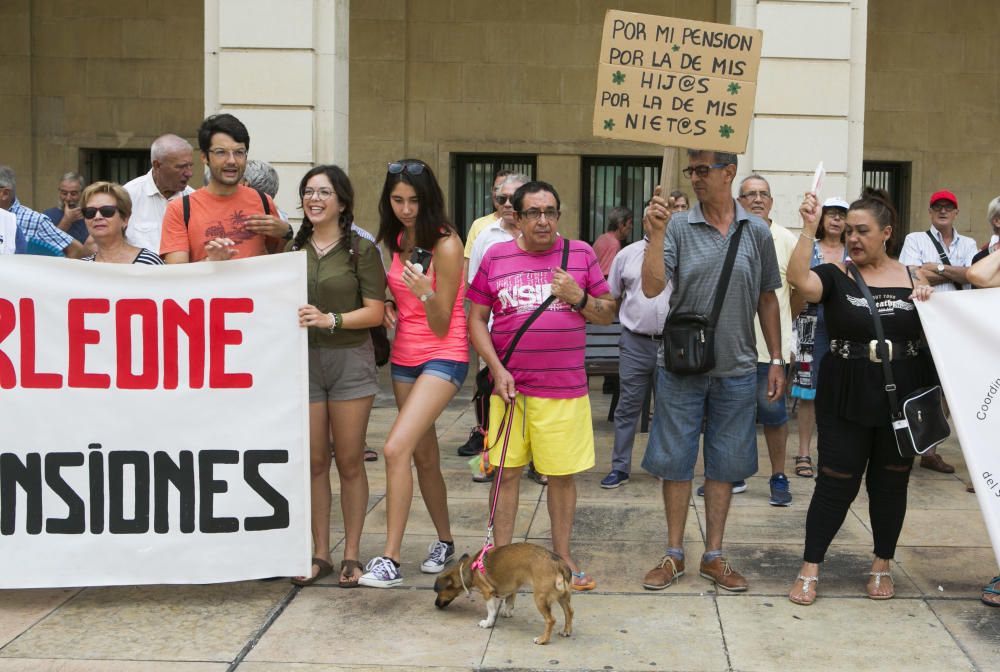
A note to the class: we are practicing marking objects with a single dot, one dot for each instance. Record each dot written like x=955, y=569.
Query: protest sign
x=155, y=422
x=676, y=83
x=961, y=330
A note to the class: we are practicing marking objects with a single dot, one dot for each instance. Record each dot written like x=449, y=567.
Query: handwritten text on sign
x=676, y=83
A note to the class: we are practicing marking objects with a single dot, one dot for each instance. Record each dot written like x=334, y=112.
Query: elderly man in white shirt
x=503, y=229
x=173, y=165
x=941, y=254
x=642, y=327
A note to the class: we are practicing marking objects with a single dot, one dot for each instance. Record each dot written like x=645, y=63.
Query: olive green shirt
x=337, y=285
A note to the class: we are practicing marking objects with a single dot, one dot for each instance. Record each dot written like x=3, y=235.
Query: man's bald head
x=173, y=163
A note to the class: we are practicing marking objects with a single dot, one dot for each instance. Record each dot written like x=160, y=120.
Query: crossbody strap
x=942, y=255
x=727, y=271
x=880, y=346
x=538, y=311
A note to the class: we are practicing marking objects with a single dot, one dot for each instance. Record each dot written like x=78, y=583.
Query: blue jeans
x=769, y=413
x=727, y=405
x=445, y=369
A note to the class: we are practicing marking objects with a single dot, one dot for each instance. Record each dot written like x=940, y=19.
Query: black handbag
x=918, y=421
x=689, y=338
x=484, y=383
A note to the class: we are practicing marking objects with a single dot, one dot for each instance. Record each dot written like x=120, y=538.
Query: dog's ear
x=465, y=556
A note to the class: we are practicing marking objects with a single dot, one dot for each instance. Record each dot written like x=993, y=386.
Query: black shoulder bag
x=484, y=384
x=943, y=256
x=918, y=421
x=689, y=338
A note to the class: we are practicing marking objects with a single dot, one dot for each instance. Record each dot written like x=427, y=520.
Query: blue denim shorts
x=682, y=402
x=769, y=413
x=445, y=369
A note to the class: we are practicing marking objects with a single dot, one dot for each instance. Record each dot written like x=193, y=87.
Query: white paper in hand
x=818, y=179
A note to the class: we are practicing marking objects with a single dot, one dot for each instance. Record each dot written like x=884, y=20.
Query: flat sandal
x=878, y=578
x=805, y=601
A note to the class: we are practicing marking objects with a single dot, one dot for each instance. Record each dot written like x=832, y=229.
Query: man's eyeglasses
x=701, y=171
x=753, y=195
x=321, y=194
x=107, y=211
x=505, y=198
x=534, y=214
x=219, y=153
x=943, y=207
x=395, y=168
x=836, y=214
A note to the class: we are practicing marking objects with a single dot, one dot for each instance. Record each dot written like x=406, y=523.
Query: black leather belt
x=898, y=350
x=653, y=337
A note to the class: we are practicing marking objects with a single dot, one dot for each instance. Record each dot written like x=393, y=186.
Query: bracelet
x=337, y=321
x=577, y=307
x=392, y=302
x=803, y=234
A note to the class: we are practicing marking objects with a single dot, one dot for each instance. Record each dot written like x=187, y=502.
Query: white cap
x=836, y=202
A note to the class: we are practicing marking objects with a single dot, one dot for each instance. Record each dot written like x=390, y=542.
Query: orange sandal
x=582, y=582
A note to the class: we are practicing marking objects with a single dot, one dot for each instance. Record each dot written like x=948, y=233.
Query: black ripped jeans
x=845, y=451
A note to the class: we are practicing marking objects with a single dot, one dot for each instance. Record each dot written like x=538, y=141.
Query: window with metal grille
x=610, y=181
x=894, y=178
x=473, y=183
x=114, y=165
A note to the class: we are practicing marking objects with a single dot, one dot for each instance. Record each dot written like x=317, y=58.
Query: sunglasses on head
x=107, y=211
x=395, y=168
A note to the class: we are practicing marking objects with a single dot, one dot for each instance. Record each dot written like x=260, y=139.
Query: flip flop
x=991, y=596
x=370, y=455
x=347, y=568
x=582, y=582
x=325, y=569
x=876, y=583
x=806, y=597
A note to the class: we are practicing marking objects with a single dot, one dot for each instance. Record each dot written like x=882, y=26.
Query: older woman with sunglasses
x=430, y=356
x=106, y=210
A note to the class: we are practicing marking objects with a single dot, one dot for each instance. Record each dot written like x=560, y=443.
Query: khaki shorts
x=556, y=434
x=342, y=374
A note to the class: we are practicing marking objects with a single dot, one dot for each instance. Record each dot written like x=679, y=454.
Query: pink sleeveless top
x=415, y=343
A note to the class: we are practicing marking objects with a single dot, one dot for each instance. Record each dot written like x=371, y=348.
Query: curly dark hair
x=878, y=203
x=345, y=194
x=432, y=219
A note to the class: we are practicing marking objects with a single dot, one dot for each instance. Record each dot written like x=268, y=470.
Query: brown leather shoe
x=724, y=576
x=935, y=463
x=665, y=573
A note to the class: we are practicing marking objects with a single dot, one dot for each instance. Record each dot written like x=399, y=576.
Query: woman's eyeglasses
x=322, y=194
x=107, y=211
x=395, y=168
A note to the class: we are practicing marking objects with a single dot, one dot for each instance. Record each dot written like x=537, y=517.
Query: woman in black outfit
x=852, y=408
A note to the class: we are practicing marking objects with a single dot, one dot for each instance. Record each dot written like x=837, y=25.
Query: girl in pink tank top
x=429, y=357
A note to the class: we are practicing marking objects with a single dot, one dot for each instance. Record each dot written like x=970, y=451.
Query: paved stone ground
x=935, y=623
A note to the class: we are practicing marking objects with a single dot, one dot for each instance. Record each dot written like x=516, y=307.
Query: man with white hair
x=173, y=165
x=67, y=215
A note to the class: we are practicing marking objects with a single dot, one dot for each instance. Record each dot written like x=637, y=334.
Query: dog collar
x=477, y=565
x=461, y=577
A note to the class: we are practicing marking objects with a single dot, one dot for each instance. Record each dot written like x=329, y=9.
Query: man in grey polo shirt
x=693, y=245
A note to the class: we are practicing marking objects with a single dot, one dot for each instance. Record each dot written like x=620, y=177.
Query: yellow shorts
x=556, y=434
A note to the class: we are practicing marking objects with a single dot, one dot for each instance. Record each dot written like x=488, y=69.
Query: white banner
x=961, y=328
x=154, y=422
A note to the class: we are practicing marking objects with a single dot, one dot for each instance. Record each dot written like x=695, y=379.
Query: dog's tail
x=564, y=577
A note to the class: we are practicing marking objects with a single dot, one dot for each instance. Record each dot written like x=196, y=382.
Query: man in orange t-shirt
x=225, y=218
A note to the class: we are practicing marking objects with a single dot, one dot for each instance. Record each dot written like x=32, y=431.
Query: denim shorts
x=445, y=369
x=769, y=413
x=682, y=402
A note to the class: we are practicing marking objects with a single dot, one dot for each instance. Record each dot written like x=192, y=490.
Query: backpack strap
x=263, y=200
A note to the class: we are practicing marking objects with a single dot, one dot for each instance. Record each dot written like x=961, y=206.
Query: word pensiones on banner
x=676, y=83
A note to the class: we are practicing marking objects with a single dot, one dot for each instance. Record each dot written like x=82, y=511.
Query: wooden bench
x=601, y=359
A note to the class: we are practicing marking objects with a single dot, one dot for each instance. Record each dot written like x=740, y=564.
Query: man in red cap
x=942, y=256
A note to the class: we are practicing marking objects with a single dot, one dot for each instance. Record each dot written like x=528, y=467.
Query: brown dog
x=507, y=569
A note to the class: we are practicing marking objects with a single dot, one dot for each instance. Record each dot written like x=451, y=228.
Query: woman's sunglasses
x=107, y=211
x=395, y=168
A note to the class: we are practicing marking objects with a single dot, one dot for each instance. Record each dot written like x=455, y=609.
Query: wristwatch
x=778, y=362
x=940, y=269
x=577, y=307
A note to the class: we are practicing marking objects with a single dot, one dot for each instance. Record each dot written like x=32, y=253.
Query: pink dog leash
x=506, y=424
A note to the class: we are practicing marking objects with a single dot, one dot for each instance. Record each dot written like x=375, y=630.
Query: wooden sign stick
x=668, y=172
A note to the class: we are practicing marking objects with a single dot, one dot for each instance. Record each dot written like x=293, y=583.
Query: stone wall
x=86, y=75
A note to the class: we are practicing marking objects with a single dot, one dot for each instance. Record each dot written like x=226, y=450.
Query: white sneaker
x=380, y=573
x=439, y=554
